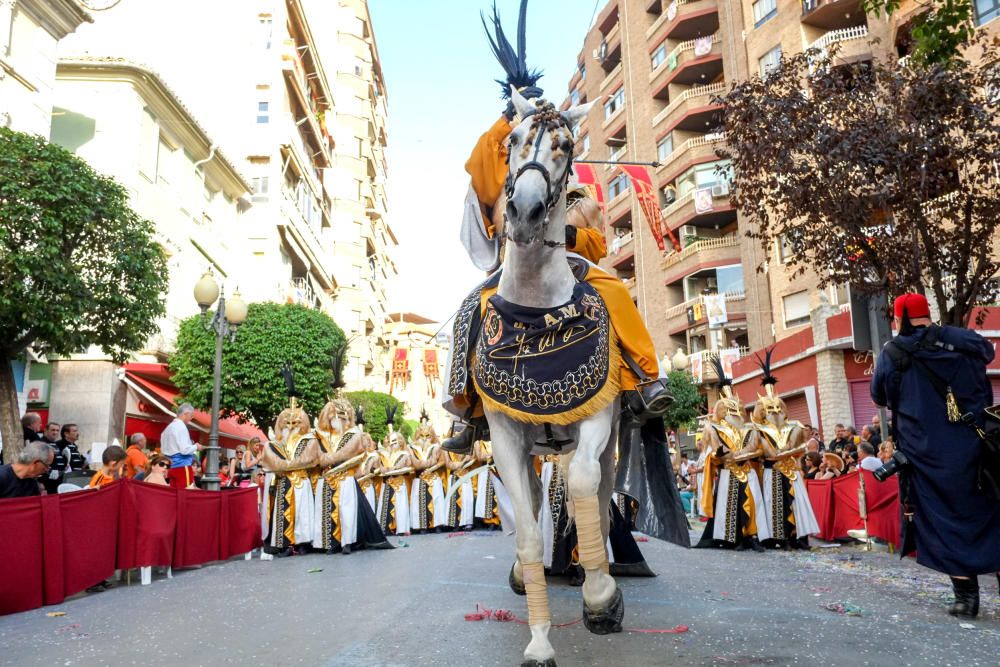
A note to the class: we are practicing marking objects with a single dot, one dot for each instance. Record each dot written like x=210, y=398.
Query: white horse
x=536, y=274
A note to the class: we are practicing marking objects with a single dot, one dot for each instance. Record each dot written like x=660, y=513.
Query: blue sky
x=439, y=74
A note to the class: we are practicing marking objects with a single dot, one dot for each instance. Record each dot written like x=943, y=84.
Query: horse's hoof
x=607, y=620
x=515, y=585
x=551, y=662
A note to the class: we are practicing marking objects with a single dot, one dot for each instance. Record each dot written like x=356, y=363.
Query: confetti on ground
x=967, y=626
x=53, y=614
x=313, y=570
x=457, y=534
x=843, y=608
x=490, y=557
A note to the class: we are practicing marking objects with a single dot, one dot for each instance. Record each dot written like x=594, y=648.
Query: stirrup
x=461, y=443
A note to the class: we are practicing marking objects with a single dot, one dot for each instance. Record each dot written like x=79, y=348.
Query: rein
x=545, y=119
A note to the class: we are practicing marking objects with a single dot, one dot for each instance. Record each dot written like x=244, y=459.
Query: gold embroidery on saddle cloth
x=501, y=364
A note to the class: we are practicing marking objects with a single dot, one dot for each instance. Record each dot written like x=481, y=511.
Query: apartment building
x=362, y=238
x=656, y=67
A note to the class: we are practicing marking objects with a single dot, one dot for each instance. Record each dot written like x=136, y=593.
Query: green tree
x=939, y=34
x=688, y=402
x=78, y=267
x=374, y=404
x=252, y=386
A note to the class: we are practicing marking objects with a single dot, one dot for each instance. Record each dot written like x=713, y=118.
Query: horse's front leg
x=603, y=607
x=511, y=452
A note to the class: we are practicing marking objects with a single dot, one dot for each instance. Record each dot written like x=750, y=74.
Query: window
x=263, y=113
x=785, y=249
x=987, y=10
x=615, y=103
x=586, y=143
x=659, y=56
x=763, y=11
x=796, y=307
x=149, y=145
x=769, y=61
x=617, y=186
x=664, y=147
x=704, y=176
x=260, y=185
x=265, y=25
x=574, y=98
x=583, y=72
x=729, y=279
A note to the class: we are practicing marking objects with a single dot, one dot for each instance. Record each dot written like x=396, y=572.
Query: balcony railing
x=839, y=36
x=301, y=291
x=681, y=308
x=690, y=93
x=699, y=246
x=609, y=79
x=695, y=142
x=619, y=243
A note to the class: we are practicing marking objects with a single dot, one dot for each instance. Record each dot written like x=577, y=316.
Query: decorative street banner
x=431, y=374
x=728, y=357
x=696, y=367
x=650, y=204
x=672, y=10
x=400, y=369
x=715, y=304
x=586, y=174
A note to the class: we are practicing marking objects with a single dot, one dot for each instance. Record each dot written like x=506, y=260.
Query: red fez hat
x=912, y=305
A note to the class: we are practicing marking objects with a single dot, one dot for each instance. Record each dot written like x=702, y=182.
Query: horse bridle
x=548, y=119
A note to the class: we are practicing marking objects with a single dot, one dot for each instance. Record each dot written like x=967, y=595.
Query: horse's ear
x=522, y=106
x=574, y=115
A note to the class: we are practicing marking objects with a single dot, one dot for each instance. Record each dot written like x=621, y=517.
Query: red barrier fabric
x=21, y=556
x=59, y=545
x=836, y=505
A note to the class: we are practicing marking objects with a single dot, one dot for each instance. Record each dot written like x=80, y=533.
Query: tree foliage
x=939, y=34
x=688, y=402
x=78, y=267
x=879, y=176
x=374, y=404
x=252, y=386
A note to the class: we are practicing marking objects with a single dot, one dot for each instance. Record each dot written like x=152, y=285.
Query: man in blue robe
x=953, y=527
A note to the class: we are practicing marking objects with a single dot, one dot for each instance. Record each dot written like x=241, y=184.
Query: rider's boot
x=649, y=400
x=475, y=429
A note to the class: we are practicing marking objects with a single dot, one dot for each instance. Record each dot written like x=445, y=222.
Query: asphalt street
x=407, y=607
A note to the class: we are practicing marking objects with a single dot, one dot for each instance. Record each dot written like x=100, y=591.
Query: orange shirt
x=101, y=480
x=135, y=461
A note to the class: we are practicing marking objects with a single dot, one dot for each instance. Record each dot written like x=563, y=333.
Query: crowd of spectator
x=51, y=457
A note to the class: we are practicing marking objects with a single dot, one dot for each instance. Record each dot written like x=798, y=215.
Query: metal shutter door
x=862, y=407
x=798, y=408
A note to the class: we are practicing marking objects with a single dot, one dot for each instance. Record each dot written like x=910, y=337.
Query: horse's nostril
x=511, y=210
x=537, y=211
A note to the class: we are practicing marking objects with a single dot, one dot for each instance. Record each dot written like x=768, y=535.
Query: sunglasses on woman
x=161, y=464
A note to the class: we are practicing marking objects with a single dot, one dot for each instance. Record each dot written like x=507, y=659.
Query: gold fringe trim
x=609, y=392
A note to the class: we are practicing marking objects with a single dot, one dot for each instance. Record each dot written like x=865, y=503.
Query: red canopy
x=152, y=382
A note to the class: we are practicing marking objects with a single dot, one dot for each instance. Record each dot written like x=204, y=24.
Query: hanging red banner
x=642, y=185
x=400, y=369
x=587, y=177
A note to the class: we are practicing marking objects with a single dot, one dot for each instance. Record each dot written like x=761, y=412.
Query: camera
x=892, y=466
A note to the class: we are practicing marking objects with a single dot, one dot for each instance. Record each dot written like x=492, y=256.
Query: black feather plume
x=289, y=375
x=338, y=359
x=765, y=365
x=424, y=417
x=359, y=415
x=513, y=61
x=720, y=371
x=390, y=413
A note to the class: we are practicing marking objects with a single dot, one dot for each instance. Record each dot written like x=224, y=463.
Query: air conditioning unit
x=601, y=52
x=720, y=190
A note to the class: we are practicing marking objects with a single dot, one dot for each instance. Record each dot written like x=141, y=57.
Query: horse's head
x=541, y=156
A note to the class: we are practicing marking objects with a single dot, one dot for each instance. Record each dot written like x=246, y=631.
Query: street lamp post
x=680, y=361
x=225, y=320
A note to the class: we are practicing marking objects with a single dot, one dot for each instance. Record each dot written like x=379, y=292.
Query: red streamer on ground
x=506, y=616
x=459, y=533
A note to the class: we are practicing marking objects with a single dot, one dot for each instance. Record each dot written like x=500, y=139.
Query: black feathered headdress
x=512, y=60
x=390, y=415
x=359, y=416
x=720, y=371
x=338, y=360
x=424, y=417
x=765, y=365
x=289, y=375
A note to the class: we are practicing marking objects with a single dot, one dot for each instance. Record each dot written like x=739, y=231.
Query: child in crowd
x=113, y=460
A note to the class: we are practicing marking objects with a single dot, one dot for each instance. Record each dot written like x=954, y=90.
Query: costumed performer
x=396, y=469
x=428, y=509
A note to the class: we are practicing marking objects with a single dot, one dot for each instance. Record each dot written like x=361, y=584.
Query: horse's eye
x=513, y=141
x=566, y=146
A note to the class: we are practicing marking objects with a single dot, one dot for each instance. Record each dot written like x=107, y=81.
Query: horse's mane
x=513, y=61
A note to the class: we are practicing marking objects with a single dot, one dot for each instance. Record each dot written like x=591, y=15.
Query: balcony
x=613, y=76
x=692, y=111
x=690, y=63
x=852, y=43
x=692, y=313
x=702, y=254
x=831, y=14
x=691, y=152
x=707, y=207
x=686, y=19
x=300, y=291
x=622, y=244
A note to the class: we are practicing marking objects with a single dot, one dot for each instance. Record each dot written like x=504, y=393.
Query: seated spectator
x=259, y=477
x=20, y=479
x=113, y=460
x=195, y=474
x=866, y=457
x=253, y=454
x=224, y=478
x=135, y=460
x=832, y=466
x=812, y=464
x=852, y=433
x=886, y=449
x=812, y=439
x=843, y=437
x=156, y=470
